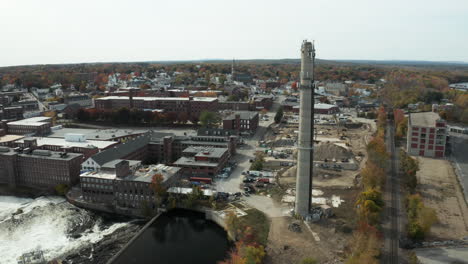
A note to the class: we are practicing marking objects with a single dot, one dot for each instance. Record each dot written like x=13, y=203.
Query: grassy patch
x=259, y=223
x=276, y=192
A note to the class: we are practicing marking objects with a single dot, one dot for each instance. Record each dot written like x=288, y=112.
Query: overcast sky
x=66, y=31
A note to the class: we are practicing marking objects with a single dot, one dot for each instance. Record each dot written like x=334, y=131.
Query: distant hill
x=322, y=61
x=383, y=63
x=408, y=62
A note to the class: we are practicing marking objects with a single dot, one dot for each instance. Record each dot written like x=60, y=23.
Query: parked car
x=264, y=180
x=248, y=180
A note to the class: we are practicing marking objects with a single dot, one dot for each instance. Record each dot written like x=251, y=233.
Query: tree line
x=366, y=243
x=127, y=116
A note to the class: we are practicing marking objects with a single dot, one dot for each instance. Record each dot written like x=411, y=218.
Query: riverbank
x=60, y=230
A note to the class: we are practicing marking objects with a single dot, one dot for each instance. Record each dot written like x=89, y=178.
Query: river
x=60, y=230
x=77, y=236
x=178, y=236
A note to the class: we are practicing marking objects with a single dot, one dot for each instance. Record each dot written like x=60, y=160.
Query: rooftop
x=108, y=175
x=9, y=138
x=180, y=190
x=96, y=134
x=209, y=152
x=243, y=115
x=111, y=164
x=323, y=106
x=427, y=119
x=146, y=174
x=121, y=150
x=41, y=141
x=33, y=121
x=205, y=99
x=184, y=161
x=149, y=98
x=40, y=154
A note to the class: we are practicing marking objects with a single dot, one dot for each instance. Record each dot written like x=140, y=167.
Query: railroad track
x=392, y=236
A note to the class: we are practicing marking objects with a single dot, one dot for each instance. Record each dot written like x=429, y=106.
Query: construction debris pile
x=295, y=227
x=320, y=212
x=331, y=151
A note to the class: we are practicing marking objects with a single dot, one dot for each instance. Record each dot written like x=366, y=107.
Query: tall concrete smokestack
x=306, y=136
x=130, y=97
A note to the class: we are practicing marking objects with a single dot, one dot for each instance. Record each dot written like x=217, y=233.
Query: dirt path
x=440, y=190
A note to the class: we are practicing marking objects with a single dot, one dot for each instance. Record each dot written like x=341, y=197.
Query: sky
x=76, y=31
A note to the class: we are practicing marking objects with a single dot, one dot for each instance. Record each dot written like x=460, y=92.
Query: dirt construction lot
x=321, y=243
x=440, y=190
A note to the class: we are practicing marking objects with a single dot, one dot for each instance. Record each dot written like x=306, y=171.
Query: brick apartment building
x=241, y=121
x=38, y=169
x=427, y=135
x=191, y=105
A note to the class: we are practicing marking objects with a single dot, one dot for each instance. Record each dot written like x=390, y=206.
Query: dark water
x=178, y=237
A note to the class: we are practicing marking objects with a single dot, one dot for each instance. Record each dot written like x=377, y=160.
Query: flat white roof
x=8, y=138
x=324, y=106
x=33, y=121
x=62, y=142
x=145, y=98
x=203, y=99
x=99, y=174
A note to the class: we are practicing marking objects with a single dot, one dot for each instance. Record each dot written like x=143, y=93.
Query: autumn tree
x=233, y=225
x=279, y=115
x=365, y=245
x=377, y=152
x=209, y=119
x=370, y=205
x=420, y=217
x=409, y=167
x=158, y=188
x=373, y=176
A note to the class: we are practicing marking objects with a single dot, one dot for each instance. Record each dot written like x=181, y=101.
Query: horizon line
x=240, y=60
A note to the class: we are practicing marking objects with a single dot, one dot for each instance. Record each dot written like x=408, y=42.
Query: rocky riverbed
x=60, y=230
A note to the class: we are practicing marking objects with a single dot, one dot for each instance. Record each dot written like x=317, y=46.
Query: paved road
x=243, y=156
x=392, y=201
x=42, y=107
x=459, y=157
x=246, y=152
